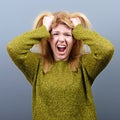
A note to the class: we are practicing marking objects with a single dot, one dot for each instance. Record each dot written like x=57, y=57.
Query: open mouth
x=61, y=48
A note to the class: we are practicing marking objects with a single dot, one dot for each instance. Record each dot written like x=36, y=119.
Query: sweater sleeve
x=19, y=51
x=101, y=51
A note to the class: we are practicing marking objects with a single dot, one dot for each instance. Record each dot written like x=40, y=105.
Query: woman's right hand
x=47, y=21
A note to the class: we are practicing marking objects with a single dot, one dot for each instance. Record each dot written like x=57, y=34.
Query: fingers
x=47, y=21
x=75, y=21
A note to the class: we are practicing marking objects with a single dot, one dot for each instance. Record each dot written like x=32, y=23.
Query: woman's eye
x=67, y=34
x=54, y=34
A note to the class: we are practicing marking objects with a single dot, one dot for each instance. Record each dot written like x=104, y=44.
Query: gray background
x=17, y=16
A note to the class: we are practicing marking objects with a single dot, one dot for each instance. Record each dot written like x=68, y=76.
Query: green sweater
x=61, y=94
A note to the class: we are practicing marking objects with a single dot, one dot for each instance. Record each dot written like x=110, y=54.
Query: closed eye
x=55, y=34
x=67, y=34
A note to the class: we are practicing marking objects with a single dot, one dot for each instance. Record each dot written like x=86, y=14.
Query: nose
x=61, y=38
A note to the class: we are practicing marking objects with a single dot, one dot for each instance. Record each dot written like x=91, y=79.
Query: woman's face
x=61, y=42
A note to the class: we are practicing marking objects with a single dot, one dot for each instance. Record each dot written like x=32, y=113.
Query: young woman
x=61, y=72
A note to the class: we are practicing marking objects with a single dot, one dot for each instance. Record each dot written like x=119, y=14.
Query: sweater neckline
x=61, y=61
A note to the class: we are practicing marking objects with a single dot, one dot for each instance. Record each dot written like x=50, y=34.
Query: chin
x=63, y=58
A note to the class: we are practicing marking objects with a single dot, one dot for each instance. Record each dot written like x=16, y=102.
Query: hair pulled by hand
x=50, y=20
x=47, y=21
x=76, y=21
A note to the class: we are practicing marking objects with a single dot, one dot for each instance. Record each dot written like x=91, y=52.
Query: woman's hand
x=47, y=21
x=76, y=21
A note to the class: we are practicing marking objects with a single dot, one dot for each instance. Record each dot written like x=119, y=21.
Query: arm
x=19, y=51
x=101, y=51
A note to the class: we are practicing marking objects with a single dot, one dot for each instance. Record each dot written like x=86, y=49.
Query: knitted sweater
x=61, y=94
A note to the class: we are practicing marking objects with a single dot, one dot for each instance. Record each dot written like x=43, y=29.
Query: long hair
x=77, y=50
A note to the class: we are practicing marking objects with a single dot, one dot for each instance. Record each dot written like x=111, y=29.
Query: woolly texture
x=61, y=94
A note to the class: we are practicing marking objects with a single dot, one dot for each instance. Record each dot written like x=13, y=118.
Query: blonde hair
x=39, y=19
x=62, y=17
x=84, y=20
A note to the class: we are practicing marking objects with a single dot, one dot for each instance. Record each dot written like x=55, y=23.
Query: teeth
x=61, y=46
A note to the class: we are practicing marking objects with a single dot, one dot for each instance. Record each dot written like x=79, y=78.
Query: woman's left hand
x=75, y=21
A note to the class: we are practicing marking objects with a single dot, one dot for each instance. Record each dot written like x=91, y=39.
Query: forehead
x=61, y=27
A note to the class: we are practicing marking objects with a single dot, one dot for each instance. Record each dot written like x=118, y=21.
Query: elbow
x=10, y=49
x=105, y=53
x=110, y=50
x=108, y=53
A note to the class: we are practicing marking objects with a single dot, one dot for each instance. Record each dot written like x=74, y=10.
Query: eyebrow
x=59, y=32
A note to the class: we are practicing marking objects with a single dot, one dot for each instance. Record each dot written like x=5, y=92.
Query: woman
x=61, y=73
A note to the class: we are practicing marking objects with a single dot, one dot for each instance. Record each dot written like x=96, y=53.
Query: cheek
x=70, y=42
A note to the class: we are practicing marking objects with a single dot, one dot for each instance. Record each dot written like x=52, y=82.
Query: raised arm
x=19, y=51
x=101, y=51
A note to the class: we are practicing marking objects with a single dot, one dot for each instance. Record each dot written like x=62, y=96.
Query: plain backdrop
x=17, y=16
